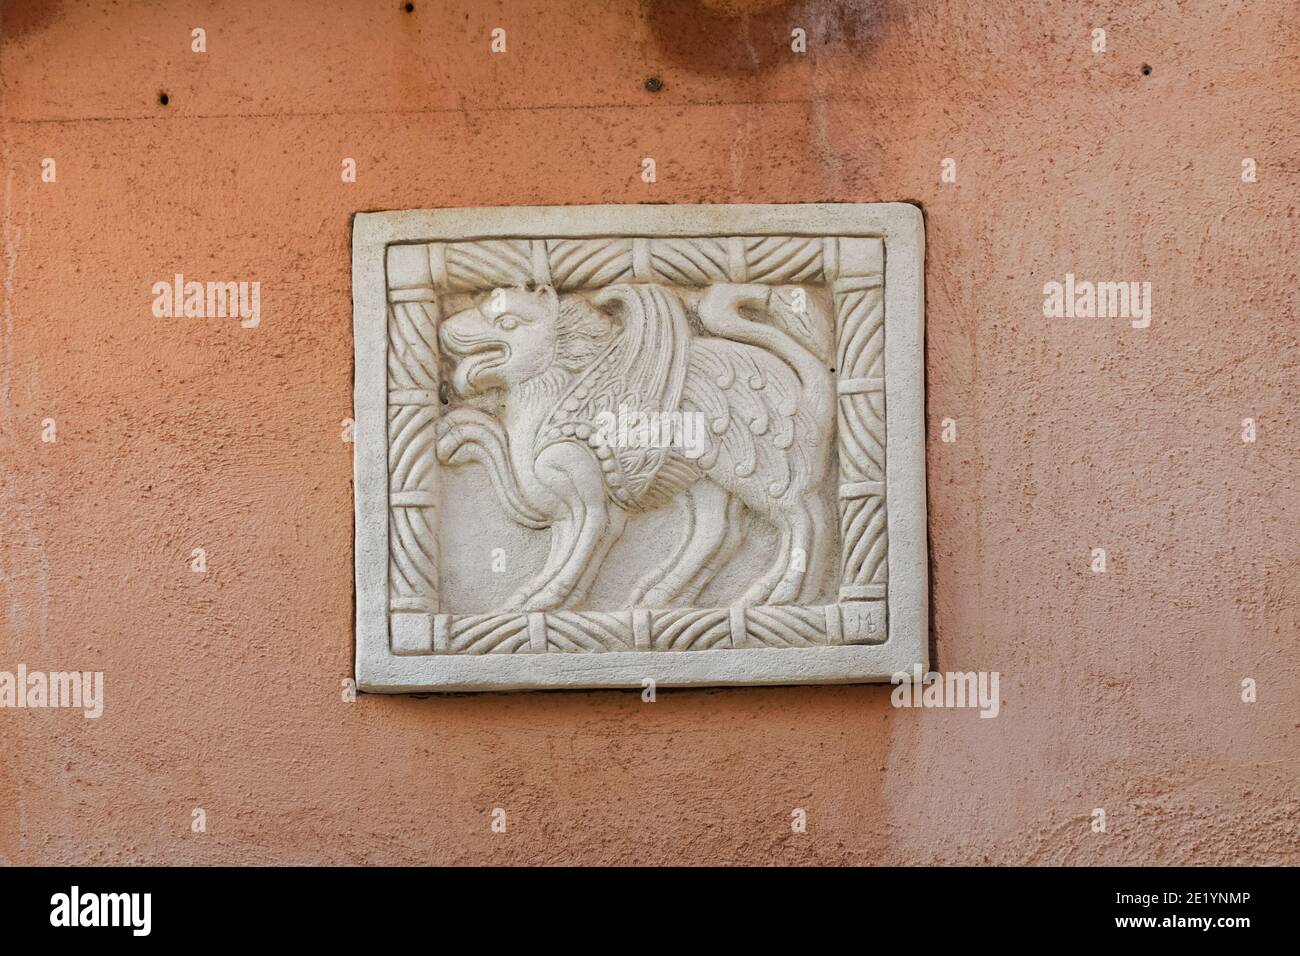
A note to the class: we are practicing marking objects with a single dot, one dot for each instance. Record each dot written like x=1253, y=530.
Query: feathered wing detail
x=642, y=372
x=751, y=405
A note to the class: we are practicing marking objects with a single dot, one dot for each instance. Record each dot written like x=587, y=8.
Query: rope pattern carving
x=565, y=632
x=572, y=264
x=412, y=472
x=860, y=357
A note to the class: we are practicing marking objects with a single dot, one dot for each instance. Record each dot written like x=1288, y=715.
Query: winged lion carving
x=565, y=363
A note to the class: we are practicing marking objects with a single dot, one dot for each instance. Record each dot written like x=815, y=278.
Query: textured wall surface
x=1120, y=690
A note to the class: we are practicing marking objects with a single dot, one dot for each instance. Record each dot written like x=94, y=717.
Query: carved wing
x=754, y=410
x=642, y=372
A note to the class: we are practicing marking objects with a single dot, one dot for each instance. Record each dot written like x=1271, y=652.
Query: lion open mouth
x=480, y=357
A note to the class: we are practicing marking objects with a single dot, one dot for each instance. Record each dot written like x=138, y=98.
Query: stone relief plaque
x=602, y=445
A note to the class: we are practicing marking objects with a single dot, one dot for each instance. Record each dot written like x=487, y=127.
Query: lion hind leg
x=733, y=536
x=760, y=592
x=824, y=517
x=708, y=532
x=656, y=574
x=782, y=584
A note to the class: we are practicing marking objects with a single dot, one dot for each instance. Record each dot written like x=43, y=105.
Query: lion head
x=516, y=334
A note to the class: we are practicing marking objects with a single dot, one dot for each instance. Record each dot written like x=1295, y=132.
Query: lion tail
x=719, y=312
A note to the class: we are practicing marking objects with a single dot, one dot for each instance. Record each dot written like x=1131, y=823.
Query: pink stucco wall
x=1120, y=690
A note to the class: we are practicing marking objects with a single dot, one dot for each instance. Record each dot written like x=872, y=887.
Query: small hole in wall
x=1146, y=69
x=164, y=99
x=444, y=393
x=654, y=84
x=408, y=7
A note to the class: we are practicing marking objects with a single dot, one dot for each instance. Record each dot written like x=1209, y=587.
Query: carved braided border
x=420, y=273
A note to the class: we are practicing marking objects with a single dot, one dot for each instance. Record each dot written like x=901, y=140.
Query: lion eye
x=508, y=322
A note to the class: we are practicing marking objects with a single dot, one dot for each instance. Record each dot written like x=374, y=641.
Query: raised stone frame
x=871, y=258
